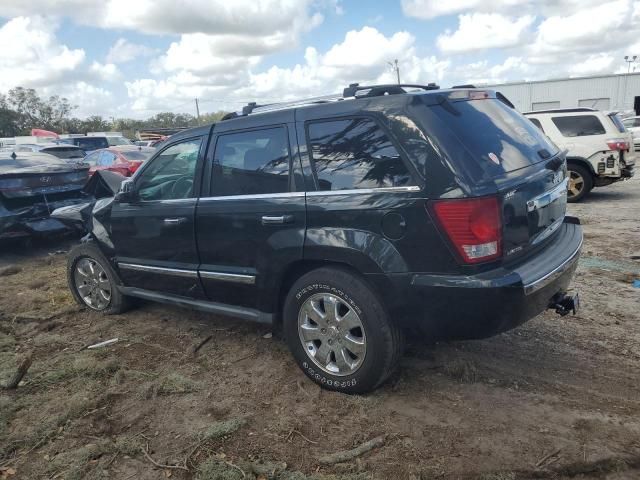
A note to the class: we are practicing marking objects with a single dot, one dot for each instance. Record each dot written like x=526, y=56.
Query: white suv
x=632, y=124
x=600, y=149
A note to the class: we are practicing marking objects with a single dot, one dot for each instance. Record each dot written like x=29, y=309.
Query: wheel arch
x=583, y=162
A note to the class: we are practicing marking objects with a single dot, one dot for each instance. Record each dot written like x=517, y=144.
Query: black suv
x=345, y=221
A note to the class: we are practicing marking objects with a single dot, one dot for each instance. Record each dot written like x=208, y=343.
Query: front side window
x=106, y=158
x=354, y=154
x=170, y=176
x=578, y=125
x=251, y=163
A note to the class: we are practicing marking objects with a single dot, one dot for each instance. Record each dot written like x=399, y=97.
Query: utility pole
x=629, y=59
x=394, y=66
x=197, y=111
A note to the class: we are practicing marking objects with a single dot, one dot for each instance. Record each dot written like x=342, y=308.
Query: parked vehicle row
x=124, y=160
x=343, y=221
x=600, y=150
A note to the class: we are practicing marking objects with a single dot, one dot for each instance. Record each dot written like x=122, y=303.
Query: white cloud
x=220, y=17
x=362, y=56
x=428, y=9
x=105, y=71
x=593, y=64
x=30, y=55
x=124, y=51
x=479, y=31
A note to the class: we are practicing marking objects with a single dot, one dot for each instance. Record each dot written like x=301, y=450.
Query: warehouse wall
x=611, y=92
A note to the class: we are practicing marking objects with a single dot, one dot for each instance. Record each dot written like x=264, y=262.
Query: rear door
x=251, y=225
x=154, y=235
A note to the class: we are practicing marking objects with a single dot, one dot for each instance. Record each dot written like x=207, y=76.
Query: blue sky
x=136, y=58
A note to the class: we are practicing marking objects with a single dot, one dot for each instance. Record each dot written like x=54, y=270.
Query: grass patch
x=170, y=384
x=85, y=366
x=223, y=428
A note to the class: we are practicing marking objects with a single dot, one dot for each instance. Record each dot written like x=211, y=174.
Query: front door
x=251, y=226
x=153, y=234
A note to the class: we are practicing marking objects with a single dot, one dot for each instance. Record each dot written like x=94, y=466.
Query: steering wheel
x=181, y=188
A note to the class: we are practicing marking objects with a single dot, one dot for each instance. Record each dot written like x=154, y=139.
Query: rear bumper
x=34, y=219
x=478, y=306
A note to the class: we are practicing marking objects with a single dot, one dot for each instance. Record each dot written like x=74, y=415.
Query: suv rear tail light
x=618, y=144
x=473, y=226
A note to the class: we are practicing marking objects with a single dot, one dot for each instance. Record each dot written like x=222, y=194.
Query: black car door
x=153, y=233
x=251, y=225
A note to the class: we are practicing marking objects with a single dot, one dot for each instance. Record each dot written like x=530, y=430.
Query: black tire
x=117, y=303
x=382, y=338
x=587, y=182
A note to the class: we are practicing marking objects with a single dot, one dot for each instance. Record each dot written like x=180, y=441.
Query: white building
x=605, y=92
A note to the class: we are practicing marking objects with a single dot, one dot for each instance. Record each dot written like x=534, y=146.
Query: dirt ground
x=555, y=398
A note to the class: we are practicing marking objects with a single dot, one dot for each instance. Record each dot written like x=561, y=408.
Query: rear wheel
x=580, y=182
x=339, y=333
x=92, y=281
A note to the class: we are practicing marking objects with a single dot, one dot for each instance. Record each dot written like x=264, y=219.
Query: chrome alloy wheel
x=332, y=334
x=575, y=185
x=92, y=283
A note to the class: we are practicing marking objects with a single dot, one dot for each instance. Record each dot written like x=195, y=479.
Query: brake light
x=473, y=226
x=618, y=144
x=133, y=166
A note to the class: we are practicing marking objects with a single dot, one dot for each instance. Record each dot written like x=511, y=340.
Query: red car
x=124, y=159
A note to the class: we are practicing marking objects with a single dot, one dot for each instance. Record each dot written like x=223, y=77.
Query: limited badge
x=494, y=158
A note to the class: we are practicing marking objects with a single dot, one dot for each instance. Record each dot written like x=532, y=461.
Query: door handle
x=277, y=219
x=175, y=221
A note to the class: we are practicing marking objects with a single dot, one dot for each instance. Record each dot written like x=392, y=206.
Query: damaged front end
x=91, y=216
x=32, y=186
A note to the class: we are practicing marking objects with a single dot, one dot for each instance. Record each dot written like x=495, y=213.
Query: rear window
x=91, y=143
x=138, y=156
x=537, y=123
x=579, y=125
x=354, y=154
x=65, y=153
x=500, y=136
x=616, y=121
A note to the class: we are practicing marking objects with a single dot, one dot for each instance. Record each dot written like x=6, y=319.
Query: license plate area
x=546, y=212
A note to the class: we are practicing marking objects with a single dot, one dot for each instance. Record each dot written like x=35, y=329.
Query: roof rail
x=379, y=90
x=563, y=110
x=349, y=92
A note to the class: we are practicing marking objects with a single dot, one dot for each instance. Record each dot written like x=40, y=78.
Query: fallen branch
x=21, y=372
x=201, y=344
x=346, y=455
x=544, y=459
x=159, y=465
x=310, y=441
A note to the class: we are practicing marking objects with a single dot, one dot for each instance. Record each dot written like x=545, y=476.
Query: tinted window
x=578, y=125
x=498, y=136
x=67, y=153
x=537, y=123
x=354, y=153
x=170, y=175
x=138, y=156
x=251, y=163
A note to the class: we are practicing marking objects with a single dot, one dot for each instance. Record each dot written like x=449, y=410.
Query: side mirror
x=127, y=192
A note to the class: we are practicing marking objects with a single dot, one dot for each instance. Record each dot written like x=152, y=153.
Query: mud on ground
x=556, y=398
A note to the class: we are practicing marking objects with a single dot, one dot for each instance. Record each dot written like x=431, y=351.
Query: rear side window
x=106, y=159
x=251, y=163
x=578, y=125
x=537, y=123
x=354, y=154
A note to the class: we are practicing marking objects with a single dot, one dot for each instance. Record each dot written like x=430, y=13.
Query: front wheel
x=580, y=182
x=92, y=281
x=339, y=333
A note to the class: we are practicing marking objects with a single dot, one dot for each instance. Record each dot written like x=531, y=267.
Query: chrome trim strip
x=555, y=273
x=229, y=277
x=548, y=197
x=167, y=271
x=364, y=191
x=257, y=196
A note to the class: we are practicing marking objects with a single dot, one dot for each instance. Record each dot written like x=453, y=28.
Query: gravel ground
x=555, y=398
